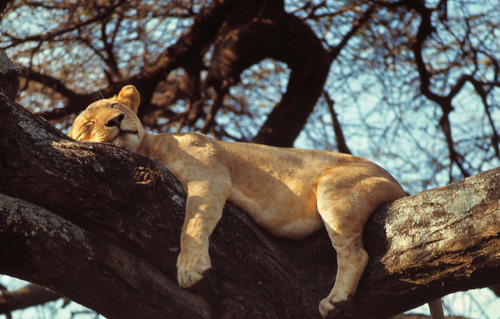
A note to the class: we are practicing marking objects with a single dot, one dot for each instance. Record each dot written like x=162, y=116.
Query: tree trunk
x=101, y=226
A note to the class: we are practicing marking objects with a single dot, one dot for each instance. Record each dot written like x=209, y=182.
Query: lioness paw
x=190, y=268
x=330, y=306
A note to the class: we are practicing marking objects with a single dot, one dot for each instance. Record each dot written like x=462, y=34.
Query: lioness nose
x=115, y=121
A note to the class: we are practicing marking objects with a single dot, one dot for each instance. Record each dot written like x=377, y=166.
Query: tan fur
x=289, y=192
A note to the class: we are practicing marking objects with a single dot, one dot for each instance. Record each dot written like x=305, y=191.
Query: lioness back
x=275, y=186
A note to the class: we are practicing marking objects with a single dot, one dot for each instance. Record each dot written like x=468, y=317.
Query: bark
x=101, y=226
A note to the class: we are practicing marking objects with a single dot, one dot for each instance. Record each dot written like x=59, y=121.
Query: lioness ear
x=130, y=97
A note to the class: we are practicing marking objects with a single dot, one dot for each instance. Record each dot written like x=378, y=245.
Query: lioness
x=289, y=192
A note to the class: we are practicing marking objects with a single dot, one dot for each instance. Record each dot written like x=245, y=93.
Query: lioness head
x=112, y=121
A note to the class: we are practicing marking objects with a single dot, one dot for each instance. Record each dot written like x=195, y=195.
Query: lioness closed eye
x=289, y=192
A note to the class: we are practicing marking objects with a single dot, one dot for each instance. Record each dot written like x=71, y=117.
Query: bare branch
x=445, y=102
x=25, y=297
x=362, y=20
x=339, y=134
x=50, y=35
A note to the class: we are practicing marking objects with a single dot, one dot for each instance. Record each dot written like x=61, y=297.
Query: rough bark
x=101, y=226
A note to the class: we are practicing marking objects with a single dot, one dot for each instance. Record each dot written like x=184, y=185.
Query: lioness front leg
x=203, y=210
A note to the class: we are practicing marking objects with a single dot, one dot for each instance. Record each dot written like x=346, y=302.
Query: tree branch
x=42, y=236
x=339, y=134
x=25, y=297
x=425, y=29
x=9, y=81
x=284, y=33
x=358, y=24
x=42, y=37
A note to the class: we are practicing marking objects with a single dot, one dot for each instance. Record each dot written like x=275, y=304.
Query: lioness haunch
x=289, y=192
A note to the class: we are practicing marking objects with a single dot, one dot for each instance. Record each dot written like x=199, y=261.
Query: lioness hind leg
x=351, y=257
x=346, y=198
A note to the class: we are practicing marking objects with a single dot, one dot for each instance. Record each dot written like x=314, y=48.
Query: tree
x=404, y=66
x=102, y=228
x=410, y=84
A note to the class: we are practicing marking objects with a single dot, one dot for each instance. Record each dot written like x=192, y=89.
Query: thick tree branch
x=309, y=69
x=108, y=237
x=40, y=236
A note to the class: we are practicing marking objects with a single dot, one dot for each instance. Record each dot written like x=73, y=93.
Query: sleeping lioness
x=289, y=192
